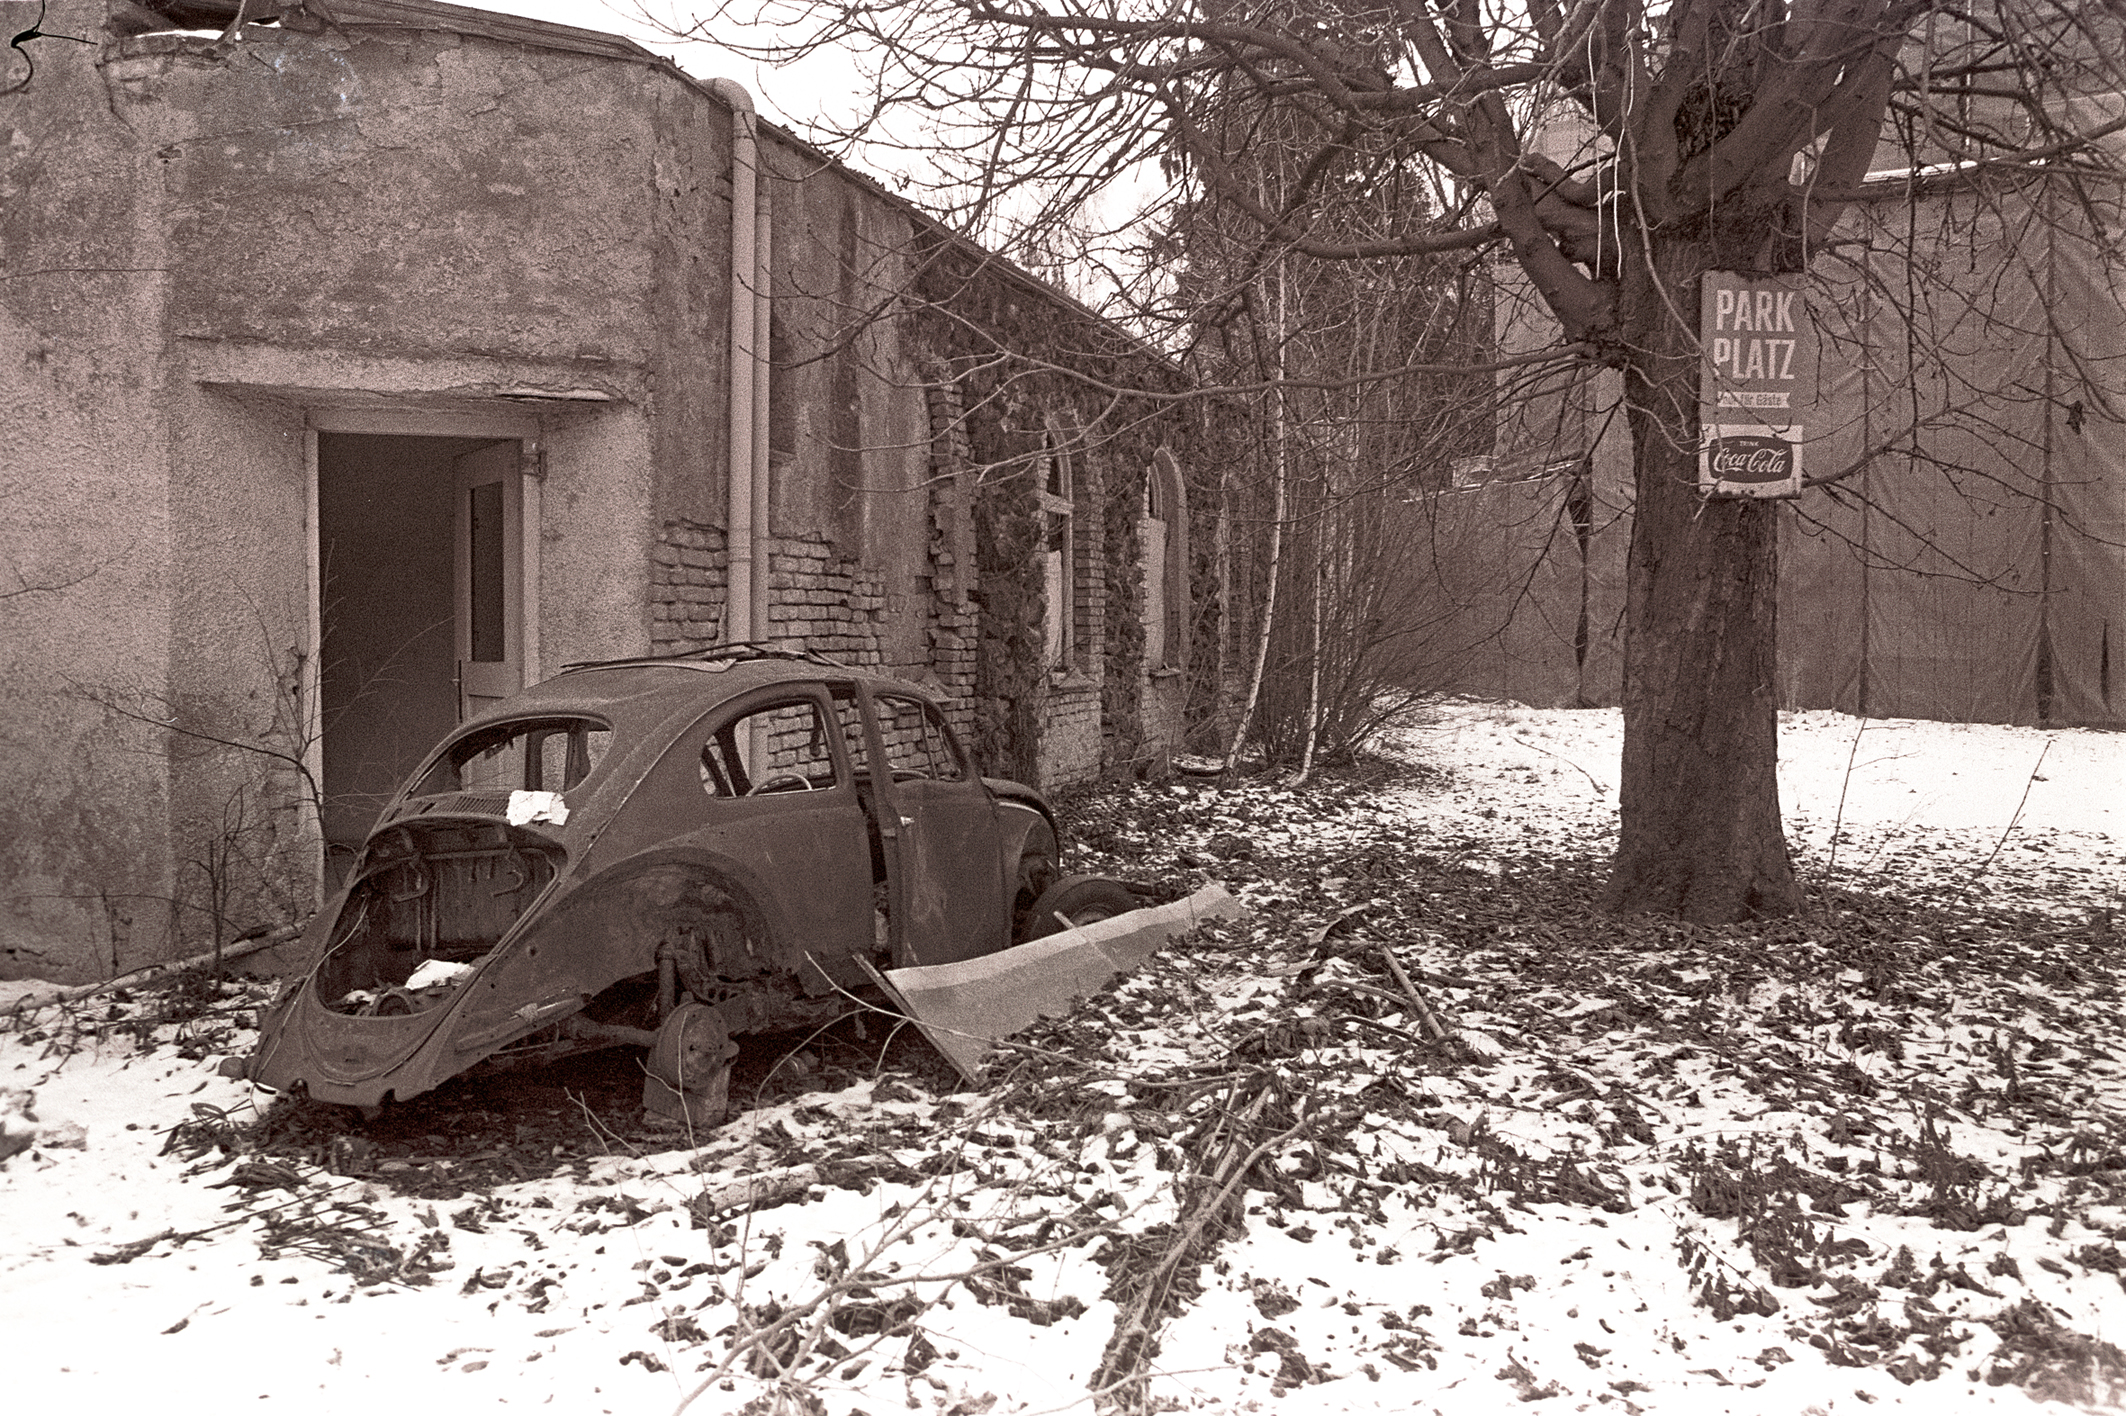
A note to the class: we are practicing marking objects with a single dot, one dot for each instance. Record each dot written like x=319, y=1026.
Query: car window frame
x=933, y=717
x=813, y=693
x=412, y=790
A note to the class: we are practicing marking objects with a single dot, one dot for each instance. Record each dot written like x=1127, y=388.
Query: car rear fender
x=587, y=940
x=612, y=928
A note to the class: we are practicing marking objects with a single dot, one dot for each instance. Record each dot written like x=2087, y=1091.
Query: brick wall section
x=817, y=598
x=1162, y=708
x=687, y=579
x=954, y=628
x=822, y=600
x=1069, y=751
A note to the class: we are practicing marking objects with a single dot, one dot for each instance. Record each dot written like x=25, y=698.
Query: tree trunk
x=1275, y=396
x=1700, y=835
x=1269, y=596
x=1321, y=577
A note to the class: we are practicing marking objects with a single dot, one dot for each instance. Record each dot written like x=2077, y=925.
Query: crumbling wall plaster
x=686, y=209
x=598, y=509
x=85, y=569
x=415, y=191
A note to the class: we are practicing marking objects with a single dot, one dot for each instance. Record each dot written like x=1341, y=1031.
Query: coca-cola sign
x=1751, y=458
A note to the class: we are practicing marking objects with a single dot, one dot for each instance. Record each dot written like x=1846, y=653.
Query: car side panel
x=804, y=856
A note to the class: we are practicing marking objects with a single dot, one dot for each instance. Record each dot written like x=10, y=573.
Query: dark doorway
x=398, y=592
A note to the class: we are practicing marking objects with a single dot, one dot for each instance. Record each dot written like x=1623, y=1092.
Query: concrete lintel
x=345, y=379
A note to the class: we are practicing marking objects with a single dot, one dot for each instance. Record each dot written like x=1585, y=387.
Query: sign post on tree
x=1757, y=373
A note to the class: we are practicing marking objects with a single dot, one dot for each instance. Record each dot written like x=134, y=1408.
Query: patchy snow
x=1890, y=787
x=1870, y=1157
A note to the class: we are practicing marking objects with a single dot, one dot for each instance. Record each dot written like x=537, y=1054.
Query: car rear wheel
x=1079, y=899
x=687, y=1076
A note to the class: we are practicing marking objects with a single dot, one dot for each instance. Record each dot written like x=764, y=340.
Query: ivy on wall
x=1011, y=679
x=1012, y=347
x=1218, y=492
x=1122, y=686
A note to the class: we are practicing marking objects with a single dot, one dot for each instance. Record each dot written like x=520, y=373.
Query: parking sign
x=1756, y=380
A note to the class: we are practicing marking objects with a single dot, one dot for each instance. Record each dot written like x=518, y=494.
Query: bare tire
x=1080, y=899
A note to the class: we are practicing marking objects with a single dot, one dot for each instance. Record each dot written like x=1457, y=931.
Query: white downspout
x=762, y=479
x=741, y=615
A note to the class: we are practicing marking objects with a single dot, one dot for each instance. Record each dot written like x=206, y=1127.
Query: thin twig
x=2023, y=800
x=1838, y=818
x=1424, y=1009
x=1600, y=790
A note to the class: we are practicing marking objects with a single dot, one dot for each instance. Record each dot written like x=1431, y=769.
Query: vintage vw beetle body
x=565, y=864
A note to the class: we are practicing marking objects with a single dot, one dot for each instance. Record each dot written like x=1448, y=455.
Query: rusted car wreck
x=662, y=853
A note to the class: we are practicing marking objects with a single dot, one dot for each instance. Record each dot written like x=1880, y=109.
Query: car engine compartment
x=434, y=898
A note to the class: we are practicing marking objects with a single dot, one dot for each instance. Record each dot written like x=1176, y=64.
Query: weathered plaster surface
x=402, y=191
x=85, y=521
x=593, y=599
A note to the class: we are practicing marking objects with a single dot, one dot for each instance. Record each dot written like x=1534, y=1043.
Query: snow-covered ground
x=1859, y=1160
x=1898, y=792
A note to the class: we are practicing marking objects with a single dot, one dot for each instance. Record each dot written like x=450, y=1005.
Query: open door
x=938, y=828
x=489, y=578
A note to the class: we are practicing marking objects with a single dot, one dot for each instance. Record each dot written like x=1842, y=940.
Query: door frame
x=501, y=425
x=509, y=673
x=913, y=860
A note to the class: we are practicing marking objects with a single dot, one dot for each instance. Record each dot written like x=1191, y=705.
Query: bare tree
x=1718, y=134
x=1356, y=416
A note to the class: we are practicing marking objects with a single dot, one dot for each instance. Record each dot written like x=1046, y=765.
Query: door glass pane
x=490, y=639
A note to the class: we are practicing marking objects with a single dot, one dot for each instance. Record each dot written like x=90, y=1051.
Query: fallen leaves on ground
x=1426, y=1131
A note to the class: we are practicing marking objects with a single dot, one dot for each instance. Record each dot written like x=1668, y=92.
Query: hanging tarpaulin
x=1756, y=377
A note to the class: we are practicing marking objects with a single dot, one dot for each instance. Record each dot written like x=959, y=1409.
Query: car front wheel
x=1077, y=900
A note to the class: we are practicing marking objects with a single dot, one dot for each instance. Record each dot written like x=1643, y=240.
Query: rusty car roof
x=639, y=693
x=647, y=702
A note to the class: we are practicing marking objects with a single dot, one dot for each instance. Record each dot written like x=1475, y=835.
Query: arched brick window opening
x=1163, y=535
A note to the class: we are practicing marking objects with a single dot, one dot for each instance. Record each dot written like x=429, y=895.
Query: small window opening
x=1058, y=561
